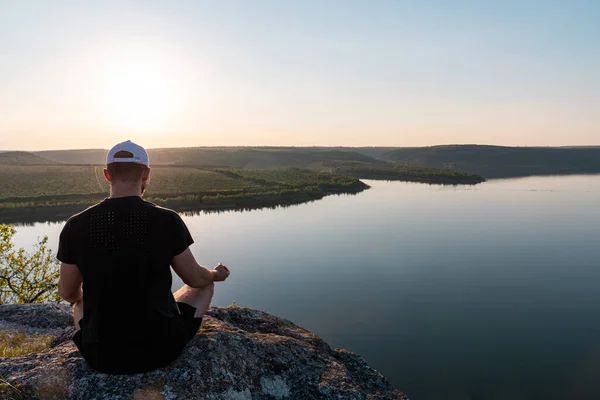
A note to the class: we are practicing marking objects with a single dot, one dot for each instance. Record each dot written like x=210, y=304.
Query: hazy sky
x=86, y=74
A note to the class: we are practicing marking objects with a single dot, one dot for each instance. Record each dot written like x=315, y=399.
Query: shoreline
x=217, y=202
x=434, y=177
x=59, y=208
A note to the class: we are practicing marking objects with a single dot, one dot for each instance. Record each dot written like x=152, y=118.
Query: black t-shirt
x=123, y=248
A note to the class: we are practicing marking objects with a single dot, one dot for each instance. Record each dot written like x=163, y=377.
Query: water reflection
x=484, y=292
x=29, y=217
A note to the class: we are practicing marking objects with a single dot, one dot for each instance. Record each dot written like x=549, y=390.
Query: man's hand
x=220, y=273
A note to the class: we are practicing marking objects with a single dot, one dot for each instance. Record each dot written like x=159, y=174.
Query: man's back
x=123, y=248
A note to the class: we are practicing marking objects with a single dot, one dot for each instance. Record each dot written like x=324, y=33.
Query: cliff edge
x=239, y=354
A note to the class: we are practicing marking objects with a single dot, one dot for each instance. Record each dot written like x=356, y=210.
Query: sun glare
x=140, y=92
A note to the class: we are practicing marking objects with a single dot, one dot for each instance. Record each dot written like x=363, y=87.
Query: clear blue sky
x=83, y=74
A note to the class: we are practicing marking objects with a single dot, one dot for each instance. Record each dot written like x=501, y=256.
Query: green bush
x=24, y=277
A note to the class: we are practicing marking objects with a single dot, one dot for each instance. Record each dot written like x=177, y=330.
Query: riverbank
x=62, y=207
x=53, y=192
x=413, y=174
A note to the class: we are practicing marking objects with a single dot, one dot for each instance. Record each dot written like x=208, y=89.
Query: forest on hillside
x=53, y=191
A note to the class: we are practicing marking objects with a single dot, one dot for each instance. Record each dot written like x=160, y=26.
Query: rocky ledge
x=239, y=354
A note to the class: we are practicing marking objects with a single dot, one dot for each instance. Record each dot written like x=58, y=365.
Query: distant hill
x=579, y=147
x=23, y=158
x=337, y=160
x=488, y=161
x=315, y=159
x=498, y=161
x=375, y=152
x=238, y=157
x=88, y=156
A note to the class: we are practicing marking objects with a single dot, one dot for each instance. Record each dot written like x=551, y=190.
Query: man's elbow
x=71, y=296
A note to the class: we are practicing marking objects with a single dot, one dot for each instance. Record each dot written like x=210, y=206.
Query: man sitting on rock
x=116, y=260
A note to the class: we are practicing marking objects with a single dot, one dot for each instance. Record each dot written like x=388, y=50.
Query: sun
x=140, y=92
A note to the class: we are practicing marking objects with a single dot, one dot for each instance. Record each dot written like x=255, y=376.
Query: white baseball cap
x=139, y=154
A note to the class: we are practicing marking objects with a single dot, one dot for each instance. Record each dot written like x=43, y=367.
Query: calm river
x=484, y=292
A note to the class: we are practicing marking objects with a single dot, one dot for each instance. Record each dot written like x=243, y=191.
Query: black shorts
x=149, y=354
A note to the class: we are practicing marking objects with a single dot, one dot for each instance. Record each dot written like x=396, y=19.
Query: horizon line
x=316, y=147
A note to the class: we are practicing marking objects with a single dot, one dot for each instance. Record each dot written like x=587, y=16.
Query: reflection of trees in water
x=32, y=217
x=223, y=210
x=29, y=217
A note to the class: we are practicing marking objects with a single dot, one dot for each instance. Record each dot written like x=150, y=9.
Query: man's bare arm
x=190, y=272
x=69, y=283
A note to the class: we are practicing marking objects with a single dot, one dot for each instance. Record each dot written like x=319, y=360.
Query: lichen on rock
x=239, y=354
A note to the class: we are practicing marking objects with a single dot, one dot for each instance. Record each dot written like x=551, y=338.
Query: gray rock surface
x=239, y=354
x=41, y=316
